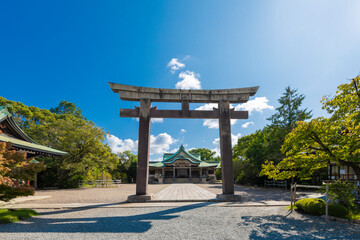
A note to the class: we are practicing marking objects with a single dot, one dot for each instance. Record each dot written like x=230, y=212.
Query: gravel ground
x=119, y=194
x=191, y=221
x=94, y=195
x=258, y=194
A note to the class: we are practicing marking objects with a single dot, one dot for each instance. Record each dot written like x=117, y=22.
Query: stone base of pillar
x=203, y=180
x=229, y=197
x=140, y=198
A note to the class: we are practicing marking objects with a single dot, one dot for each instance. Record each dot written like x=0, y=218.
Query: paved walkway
x=184, y=192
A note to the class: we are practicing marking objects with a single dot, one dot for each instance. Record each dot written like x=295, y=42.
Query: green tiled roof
x=29, y=146
x=156, y=164
x=19, y=139
x=4, y=112
x=206, y=164
x=181, y=153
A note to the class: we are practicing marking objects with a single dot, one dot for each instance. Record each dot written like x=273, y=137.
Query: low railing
x=348, y=177
x=100, y=183
x=273, y=183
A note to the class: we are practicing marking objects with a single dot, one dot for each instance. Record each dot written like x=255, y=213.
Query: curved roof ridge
x=182, y=148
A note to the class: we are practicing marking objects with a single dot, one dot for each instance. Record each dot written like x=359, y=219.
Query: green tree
x=66, y=129
x=206, y=154
x=126, y=167
x=248, y=155
x=312, y=145
x=83, y=141
x=12, y=165
x=283, y=121
x=66, y=107
x=253, y=150
x=289, y=111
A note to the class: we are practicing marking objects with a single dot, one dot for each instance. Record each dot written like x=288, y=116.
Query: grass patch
x=289, y=207
x=354, y=215
x=12, y=215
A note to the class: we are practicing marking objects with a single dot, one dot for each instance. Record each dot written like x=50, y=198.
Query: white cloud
x=190, y=80
x=157, y=120
x=258, y=104
x=118, y=145
x=175, y=64
x=153, y=120
x=247, y=124
x=207, y=107
x=216, y=143
x=159, y=159
x=158, y=144
x=161, y=143
x=214, y=123
x=183, y=131
x=211, y=123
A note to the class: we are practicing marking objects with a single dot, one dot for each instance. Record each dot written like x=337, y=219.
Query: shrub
x=8, y=192
x=218, y=174
x=342, y=191
x=313, y=206
x=338, y=210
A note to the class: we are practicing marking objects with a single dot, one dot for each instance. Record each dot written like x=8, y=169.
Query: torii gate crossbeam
x=223, y=97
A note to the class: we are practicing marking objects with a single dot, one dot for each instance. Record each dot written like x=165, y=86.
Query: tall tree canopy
x=66, y=107
x=126, y=168
x=253, y=150
x=312, y=145
x=289, y=111
x=206, y=154
x=66, y=129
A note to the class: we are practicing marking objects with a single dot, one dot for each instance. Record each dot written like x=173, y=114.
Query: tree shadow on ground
x=286, y=227
x=118, y=224
x=260, y=193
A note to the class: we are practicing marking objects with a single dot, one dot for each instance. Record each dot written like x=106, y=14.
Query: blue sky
x=69, y=50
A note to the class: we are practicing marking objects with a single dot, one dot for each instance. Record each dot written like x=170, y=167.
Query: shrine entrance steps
x=181, y=180
x=186, y=192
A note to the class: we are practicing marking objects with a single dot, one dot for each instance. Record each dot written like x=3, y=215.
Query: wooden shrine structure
x=145, y=95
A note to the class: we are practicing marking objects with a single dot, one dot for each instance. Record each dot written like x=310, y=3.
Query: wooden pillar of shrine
x=142, y=173
x=225, y=148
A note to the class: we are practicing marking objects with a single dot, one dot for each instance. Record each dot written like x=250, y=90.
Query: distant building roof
x=11, y=132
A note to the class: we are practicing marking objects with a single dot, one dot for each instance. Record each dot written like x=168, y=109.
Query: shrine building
x=10, y=132
x=182, y=167
x=20, y=141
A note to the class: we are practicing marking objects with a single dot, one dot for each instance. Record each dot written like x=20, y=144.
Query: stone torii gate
x=145, y=95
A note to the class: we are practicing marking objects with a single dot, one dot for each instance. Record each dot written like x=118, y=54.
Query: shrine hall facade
x=182, y=167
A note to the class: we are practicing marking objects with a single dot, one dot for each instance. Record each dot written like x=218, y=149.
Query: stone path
x=184, y=192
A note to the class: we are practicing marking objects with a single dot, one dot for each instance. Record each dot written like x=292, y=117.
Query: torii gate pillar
x=142, y=173
x=225, y=148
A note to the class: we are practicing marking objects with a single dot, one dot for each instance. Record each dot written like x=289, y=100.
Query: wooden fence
x=100, y=183
x=273, y=183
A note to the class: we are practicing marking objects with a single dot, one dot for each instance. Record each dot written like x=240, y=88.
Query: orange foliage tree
x=14, y=170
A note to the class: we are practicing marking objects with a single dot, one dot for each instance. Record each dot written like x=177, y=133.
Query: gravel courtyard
x=94, y=195
x=186, y=221
x=103, y=215
x=120, y=194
